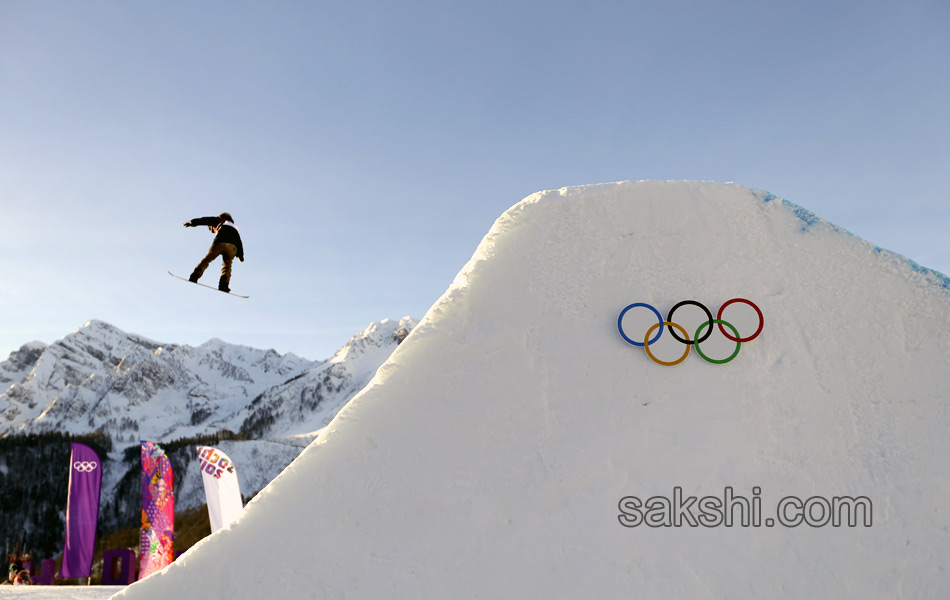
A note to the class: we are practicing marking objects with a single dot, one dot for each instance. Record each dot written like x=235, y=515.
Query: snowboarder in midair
x=226, y=244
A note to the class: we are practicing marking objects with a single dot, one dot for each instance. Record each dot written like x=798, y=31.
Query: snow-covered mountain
x=265, y=406
x=102, y=379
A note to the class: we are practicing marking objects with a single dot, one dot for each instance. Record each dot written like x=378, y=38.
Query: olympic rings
x=697, y=338
x=85, y=466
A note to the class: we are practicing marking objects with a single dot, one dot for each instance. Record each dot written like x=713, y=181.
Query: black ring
x=669, y=317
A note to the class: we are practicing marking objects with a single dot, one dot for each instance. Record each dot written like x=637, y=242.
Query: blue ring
x=636, y=305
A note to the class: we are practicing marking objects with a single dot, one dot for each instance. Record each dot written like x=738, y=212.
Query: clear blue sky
x=364, y=148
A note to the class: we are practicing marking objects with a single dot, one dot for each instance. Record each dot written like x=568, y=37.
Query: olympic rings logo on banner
x=702, y=333
x=85, y=466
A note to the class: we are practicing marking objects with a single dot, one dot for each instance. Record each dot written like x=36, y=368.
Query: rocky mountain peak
x=101, y=378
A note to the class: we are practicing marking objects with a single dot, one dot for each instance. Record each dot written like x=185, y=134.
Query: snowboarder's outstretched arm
x=197, y=222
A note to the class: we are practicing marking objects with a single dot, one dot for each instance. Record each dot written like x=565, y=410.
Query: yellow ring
x=646, y=345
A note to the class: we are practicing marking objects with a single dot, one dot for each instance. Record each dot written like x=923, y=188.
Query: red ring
x=757, y=331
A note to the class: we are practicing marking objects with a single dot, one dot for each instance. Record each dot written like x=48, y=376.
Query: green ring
x=710, y=324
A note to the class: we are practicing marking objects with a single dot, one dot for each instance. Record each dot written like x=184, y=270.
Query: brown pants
x=227, y=252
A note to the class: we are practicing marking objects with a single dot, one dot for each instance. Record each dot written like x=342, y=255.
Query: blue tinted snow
x=809, y=219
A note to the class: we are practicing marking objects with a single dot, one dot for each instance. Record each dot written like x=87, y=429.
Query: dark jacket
x=226, y=232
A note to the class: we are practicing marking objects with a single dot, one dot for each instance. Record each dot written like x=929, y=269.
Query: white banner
x=221, y=487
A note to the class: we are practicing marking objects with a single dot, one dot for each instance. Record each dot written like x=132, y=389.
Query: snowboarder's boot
x=195, y=275
x=223, y=284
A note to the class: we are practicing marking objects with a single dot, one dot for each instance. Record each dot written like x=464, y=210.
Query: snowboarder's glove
x=188, y=224
x=241, y=258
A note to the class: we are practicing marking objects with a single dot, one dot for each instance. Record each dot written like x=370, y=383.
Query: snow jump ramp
x=516, y=445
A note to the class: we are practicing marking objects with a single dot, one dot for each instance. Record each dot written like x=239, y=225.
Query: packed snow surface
x=491, y=454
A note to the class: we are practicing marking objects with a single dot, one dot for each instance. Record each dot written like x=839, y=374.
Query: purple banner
x=158, y=511
x=82, y=511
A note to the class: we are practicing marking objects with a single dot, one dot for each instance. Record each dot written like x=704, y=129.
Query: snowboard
x=210, y=287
